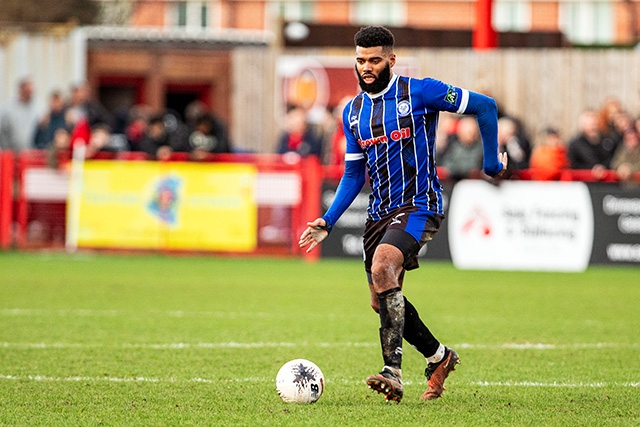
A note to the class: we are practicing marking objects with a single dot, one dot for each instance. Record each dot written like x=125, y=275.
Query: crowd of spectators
x=79, y=119
x=606, y=141
x=604, y=147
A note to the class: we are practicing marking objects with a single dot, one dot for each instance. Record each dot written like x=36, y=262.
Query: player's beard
x=379, y=84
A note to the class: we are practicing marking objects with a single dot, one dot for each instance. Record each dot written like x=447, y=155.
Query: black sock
x=416, y=332
x=392, y=318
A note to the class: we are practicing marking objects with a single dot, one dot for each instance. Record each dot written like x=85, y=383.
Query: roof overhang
x=100, y=36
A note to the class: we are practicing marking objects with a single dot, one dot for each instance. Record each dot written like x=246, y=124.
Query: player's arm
x=350, y=185
x=486, y=112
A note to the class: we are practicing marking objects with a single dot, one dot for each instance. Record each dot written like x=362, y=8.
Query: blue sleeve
x=486, y=112
x=348, y=189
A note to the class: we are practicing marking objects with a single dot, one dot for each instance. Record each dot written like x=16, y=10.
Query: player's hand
x=314, y=234
x=502, y=158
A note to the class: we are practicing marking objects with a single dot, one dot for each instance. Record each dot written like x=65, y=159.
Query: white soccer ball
x=300, y=381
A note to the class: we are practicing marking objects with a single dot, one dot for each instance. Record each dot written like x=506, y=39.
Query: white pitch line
x=543, y=346
x=115, y=313
x=553, y=384
x=533, y=384
x=181, y=346
x=45, y=346
x=254, y=345
x=45, y=378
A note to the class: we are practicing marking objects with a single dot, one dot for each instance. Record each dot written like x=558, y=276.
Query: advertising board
x=520, y=225
x=174, y=206
x=617, y=224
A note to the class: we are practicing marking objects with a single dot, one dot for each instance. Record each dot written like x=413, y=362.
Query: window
x=182, y=14
x=301, y=10
x=512, y=15
x=204, y=10
x=587, y=22
x=376, y=12
x=191, y=15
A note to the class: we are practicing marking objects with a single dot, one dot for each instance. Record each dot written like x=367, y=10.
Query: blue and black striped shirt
x=392, y=135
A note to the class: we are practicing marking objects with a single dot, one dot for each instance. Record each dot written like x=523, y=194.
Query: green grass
x=90, y=340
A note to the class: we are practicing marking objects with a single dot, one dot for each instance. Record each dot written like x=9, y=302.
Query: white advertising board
x=521, y=226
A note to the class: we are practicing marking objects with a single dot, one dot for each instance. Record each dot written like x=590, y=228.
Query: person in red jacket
x=549, y=157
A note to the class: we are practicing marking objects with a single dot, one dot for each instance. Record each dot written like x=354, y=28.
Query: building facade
x=602, y=22
x=166, y=53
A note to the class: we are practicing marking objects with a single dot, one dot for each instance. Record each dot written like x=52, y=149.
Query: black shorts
x=407, y=228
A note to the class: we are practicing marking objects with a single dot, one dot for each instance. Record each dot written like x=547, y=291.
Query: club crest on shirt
x=404, y=108
x=452, y=96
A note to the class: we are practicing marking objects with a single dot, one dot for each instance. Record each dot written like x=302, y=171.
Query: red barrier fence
x=6, y=198
x=34, y=189
x=287, y=193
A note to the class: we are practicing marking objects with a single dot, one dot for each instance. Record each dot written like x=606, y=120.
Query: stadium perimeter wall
x=517, y=224
x=562, y=225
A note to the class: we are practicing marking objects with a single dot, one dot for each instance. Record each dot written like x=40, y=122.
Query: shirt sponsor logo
x=396, y=135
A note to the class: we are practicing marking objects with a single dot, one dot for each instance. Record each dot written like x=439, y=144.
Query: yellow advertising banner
x=165, y=205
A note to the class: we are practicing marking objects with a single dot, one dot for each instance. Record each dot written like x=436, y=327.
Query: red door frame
x=202, y=90
x=137, y=82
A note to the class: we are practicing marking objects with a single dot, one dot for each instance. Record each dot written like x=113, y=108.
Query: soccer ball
x=300, y=381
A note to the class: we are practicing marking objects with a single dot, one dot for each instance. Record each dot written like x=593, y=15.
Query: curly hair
x=374, y=36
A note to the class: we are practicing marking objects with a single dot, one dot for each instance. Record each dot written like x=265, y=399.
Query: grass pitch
x=90, y=340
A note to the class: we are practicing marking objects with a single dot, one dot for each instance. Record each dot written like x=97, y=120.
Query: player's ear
x=392, y=60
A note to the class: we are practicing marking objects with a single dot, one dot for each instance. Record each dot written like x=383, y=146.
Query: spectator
x=96, y=138
x=622, y=122
x=178, y=131
x=208, y=136
x=464, y=155
x=59, y=145
x=99, y=140
x=511, y=141
x=298, y=137
x=53, y=120
x=94, y=112
x=80, y=130
x=193, y=111
x=608, y=115
x=588, y=149
x=87, y=114
x=20, y=118
x=203, y=133
x=138, y=119
x=626, y=159
x=615, y=121
x=156, y=141
x=322, y=124
x=549, y=156
x=72, y=116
